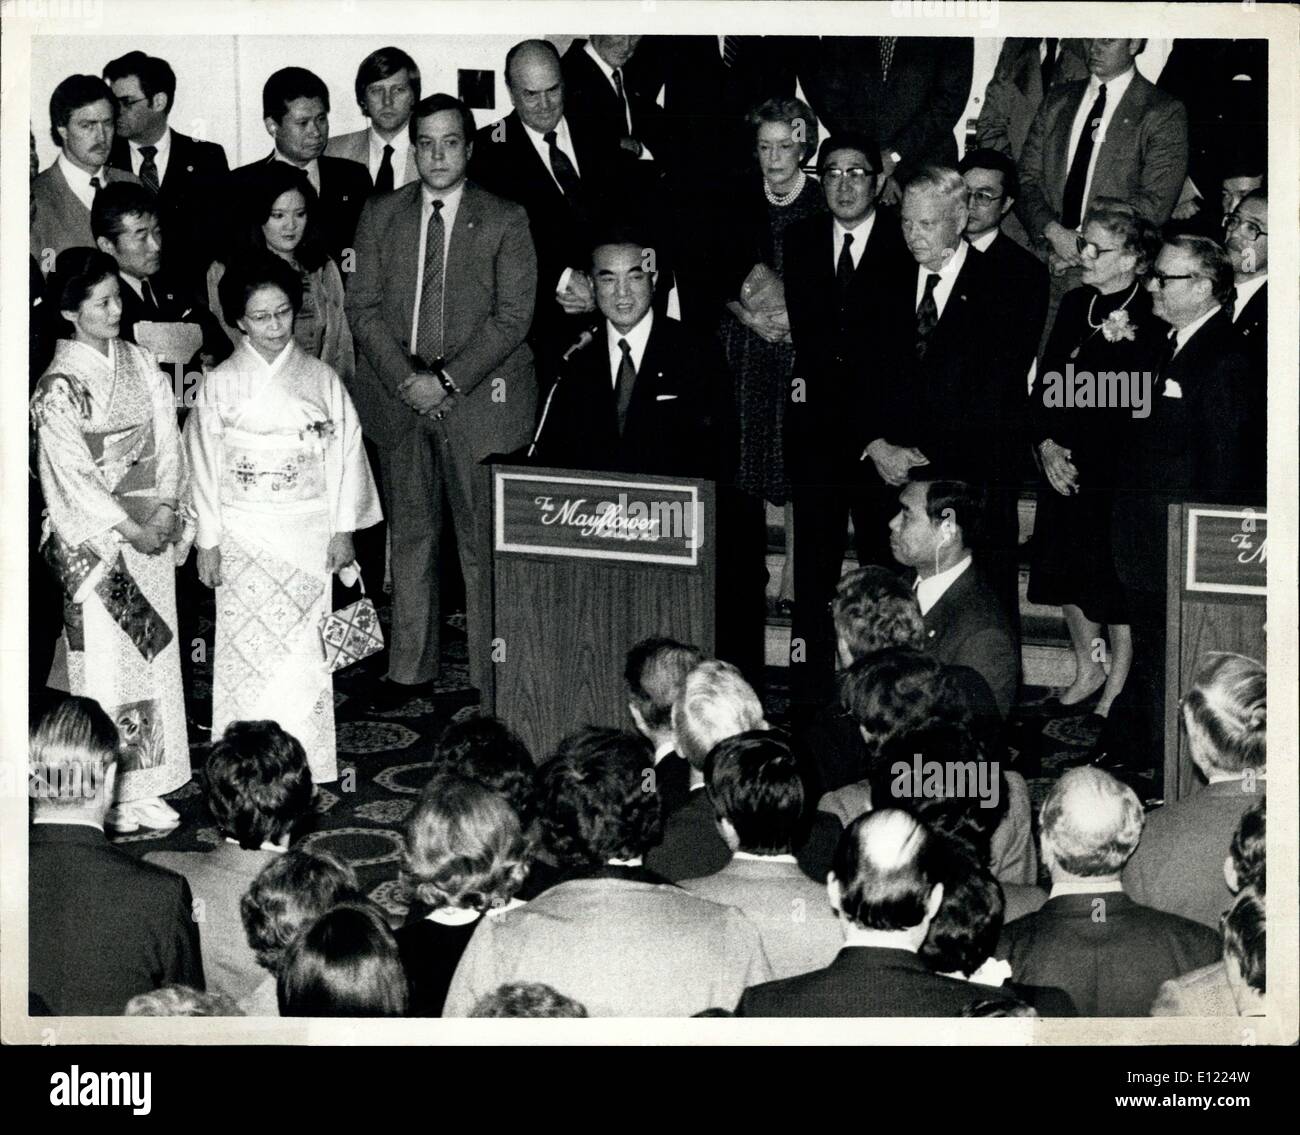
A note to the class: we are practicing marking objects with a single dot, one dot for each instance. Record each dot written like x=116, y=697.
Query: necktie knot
x=148, y=152
x=625, y=347
x=549, y=138
x=848, y=240
x=94, y=182
x=931, y=282
x=388, y=150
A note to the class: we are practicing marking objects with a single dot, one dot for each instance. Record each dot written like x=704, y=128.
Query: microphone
x=584, y=340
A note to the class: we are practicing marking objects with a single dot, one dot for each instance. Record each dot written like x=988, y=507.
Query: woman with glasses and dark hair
x=280, y=483
x=111, y=471
x=282, y=217
x=1104, y=326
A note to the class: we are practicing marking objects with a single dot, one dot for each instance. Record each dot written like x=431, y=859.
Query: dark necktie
x=730, y=50
x=1049, y=63
x=150, y=304
x=94, y=185
x=887, y=43
x=565, y=174
x=927, y=314
x=623, y=386
x=1167, y=353
x=149, y=168
x=1077, y=178
x=429, y=341
x=844, y=267
x=384, y=178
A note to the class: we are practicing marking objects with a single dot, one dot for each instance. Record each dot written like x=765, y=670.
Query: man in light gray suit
x=82, y=126
x=387, y=89
x=440, y=302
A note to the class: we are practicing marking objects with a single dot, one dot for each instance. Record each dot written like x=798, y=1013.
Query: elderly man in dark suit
x=295, y=111
x=1106, y=951
x=885, y=886
x=102, y=925
x=81, y=124
x=186, y=173
x=440, y=307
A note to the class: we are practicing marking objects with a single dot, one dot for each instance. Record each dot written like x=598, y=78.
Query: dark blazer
x=430, y=953
x=1022, y=282
x=1252, y=326
x=1015, y=92
x=679, y=422
x=867, y=981
x=913, y=111
x=102, y=925
x=672, y=781
x=175, y=305
x=344, y=187
x=1252, y=331
x=188, y=199
x=590, y=99
x=491, y=276
x=1143, y=158
x=60, y=221
x=1112, y=966
x=968, y=627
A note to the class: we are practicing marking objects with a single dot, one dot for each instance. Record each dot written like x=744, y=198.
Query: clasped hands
x=894, y=463
x=338, y=554
x=155, y=535
x=424, y=394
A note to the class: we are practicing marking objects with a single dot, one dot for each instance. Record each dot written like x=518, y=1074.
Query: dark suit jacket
x=1022, y=282
x=102, y=925
x=188, y=199
x=1252, y=331
x=672, y=781
x=1112, y=966
x=175, y=305
x=344, y=187
x=867, y=981
x=913, y=111
x=1015, y=92
x=679, y=422
x=1142, y=160
x=491, y=275
x=968, y=627
x=590, y=99
x=61, y=221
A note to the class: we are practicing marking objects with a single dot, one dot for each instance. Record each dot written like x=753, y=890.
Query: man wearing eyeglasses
x=183, y=172
x=1246, y=232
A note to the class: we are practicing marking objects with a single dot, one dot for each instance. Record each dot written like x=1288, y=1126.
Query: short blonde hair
x=1091, y=822
x=715, y=703
x=1226, y=713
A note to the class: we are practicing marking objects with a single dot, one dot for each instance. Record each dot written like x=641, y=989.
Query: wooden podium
x=1218, y=574
x=583, y=565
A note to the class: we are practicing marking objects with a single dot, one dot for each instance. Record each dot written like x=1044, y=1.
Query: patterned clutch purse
x=351, y=633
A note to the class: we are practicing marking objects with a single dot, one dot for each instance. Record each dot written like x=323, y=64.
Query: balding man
x=1110, y=954
x=885, y=887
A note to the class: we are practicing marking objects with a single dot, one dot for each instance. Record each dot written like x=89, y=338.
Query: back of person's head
x=259, y=784
x=526, y=999
x=464, y=847
x=1246, y=866
x=964, y=932
x=875, y=608
x=288, y=85
x=1091, y=824
x=182, y=1001
x=70, y=96
x=345, y=964
x=1226, y=714
x=484, y=749
x=715, y=703
x=886, y=867
x=115, y=203
x=593, y=799
x=288, y=895
x=1244, y=928
x=654, y=672
x=755, y=786
x=891, y=692
x=70, y=756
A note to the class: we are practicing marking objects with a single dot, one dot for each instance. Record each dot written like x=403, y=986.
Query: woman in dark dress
x=755, y=332
x=1105, y=325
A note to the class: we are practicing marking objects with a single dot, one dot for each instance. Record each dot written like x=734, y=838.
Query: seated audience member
x=466, y=856
x=1176, y=867
x=757, y=795
x=1243, y=952
x=965, y=624
x=259, y=787
x=1090, y=939
x=102, y=926
x=964, y=934
x=654, y=673
x=182, y=1001
x=885, y=886
x=619, y=939
x=1205, y=992
x=344, y=965
x=527, y=999
x=288, y=895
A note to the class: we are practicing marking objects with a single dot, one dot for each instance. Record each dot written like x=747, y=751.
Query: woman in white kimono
x=111, y=469
x=280, y=482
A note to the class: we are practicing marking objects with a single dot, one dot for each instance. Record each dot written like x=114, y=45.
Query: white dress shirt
x=1115, y=89
x=1084, y=887
x=930, y=591
x=637, y=339
x=79, y=180
x=982, y=242
x=608, y=72
x=1184, y=333
x=450, y=206
x=160, y=159
x=1245, y=291
x=664, y=747
x=947, y=277
x=311, y=169
x=401, y=143
x=563, y=142
x=861, y=235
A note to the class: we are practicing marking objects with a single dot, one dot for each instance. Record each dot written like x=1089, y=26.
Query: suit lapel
x=527, y=158
x=1058, y=153
x=952, y=320
x=1120, y=143
x=404, y=233
x=648, y=374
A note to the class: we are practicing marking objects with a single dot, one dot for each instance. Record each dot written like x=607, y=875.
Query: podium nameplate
x=1227, y=550
x=599, y=518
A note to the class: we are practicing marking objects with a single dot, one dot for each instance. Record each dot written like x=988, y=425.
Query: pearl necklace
x=1127, y=300
x=781, y=199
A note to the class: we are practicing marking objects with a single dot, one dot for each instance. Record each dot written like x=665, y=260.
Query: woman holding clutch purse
x=755, y=332
x=111, y=470
x=280, y=482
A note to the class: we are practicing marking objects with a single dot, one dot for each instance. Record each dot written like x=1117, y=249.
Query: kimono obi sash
x=272, y=469
x=128, y=459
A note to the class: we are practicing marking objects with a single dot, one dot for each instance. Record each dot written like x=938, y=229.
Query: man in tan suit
x=387, y=88
x=440, y=303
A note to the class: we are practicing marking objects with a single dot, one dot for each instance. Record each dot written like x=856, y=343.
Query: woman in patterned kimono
x=111, y=471
x=280, y=482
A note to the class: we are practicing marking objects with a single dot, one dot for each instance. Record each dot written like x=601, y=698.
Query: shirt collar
x=78, y=177
x=1086, y=887
x=1115, y=87
x=452, y=916
x=311, y=169
x=637, y=337
x=664, y=748
x=1246, y=289
x=266, y=846
x=162, y=147
x=450, y=200
x=561, y=134
x=132, y=282
x=276, y=364
x=605, y=68
x=930, y=591
x=401, y=142
x=1184, y=333
x=863, y=230
x=949, y=271
x=635, y=861
x=764, y=858
x=982, y=243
